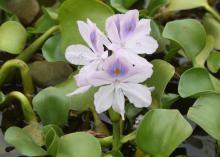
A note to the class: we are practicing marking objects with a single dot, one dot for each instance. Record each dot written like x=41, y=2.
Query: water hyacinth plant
x=123, y=70
x=110, y=78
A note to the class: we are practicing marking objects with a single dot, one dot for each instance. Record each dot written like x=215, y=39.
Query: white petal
x=79, y=55
x=112, y=29
x=135, y=58
x=137, y=94
x=128, y=24
x=143, y=27
x=139, y=73
x=144, y=44
x=85, y=31
x=79, y=90
x=119, y=102
x=100, y=78
x=104, y=98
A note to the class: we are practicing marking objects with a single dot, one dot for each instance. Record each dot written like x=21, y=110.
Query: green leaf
x=25, y=10
x=52, y=105
x=193, y=39
x=115, y=154
x=118, y=5
x=197, y=81
x=23, y=142
x=205, y=113
x=2, y=97
x=43, y=23
x=35, y=131
x=13, y=37
x=201, y=58
x=73, y=10
x=52, y=139
x=56, y=128
x=213, y=62
x=153, y=6
x=176, y=5
x=162, y=69
x=169, y=99
x=51, y=49
x=79, y=145
x=162, y=131
x=46, y=74
x=131, y=112
x=212, y=27
x=122, y=5
x=79, y=102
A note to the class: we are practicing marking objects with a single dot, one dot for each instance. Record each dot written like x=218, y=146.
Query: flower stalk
x=24, y=70
x=213, y=12
x=117, y=130
x=106, y=141
x=99, y=125
x=29, y=51
x=28, y=112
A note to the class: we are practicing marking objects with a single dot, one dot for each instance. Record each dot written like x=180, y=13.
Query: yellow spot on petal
x=117, y=71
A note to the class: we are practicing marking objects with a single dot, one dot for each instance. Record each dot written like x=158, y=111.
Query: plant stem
x=25, y=105
x=116, y=136
x=24, y=70
x=129, y=137
x=117, y=130
x=29, y=51
x=106, y=141
x=213, y=12
x=99, y=125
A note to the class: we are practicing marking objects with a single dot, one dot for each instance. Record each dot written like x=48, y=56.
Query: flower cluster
x=113, y=61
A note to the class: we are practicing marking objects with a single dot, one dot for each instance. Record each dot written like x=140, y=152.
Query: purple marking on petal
x=117, y=23
x=93, y=38
x=129, y=26
x=117, y=69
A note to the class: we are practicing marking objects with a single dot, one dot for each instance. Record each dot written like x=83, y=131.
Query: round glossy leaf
x=162, y=69
x=197, y=81
x=79, y=102
x=206, y=113
x=73, y=10
x=162, y=131
x=35, y=131
x=23, y=142
x=51, y=49
x=176, y=5
x=25, y=10
x=52, y=106
x=46, y=74
x=213, y=62
x=79, y=145
x=212, y=27
x=193, y=39
x=13, y=37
